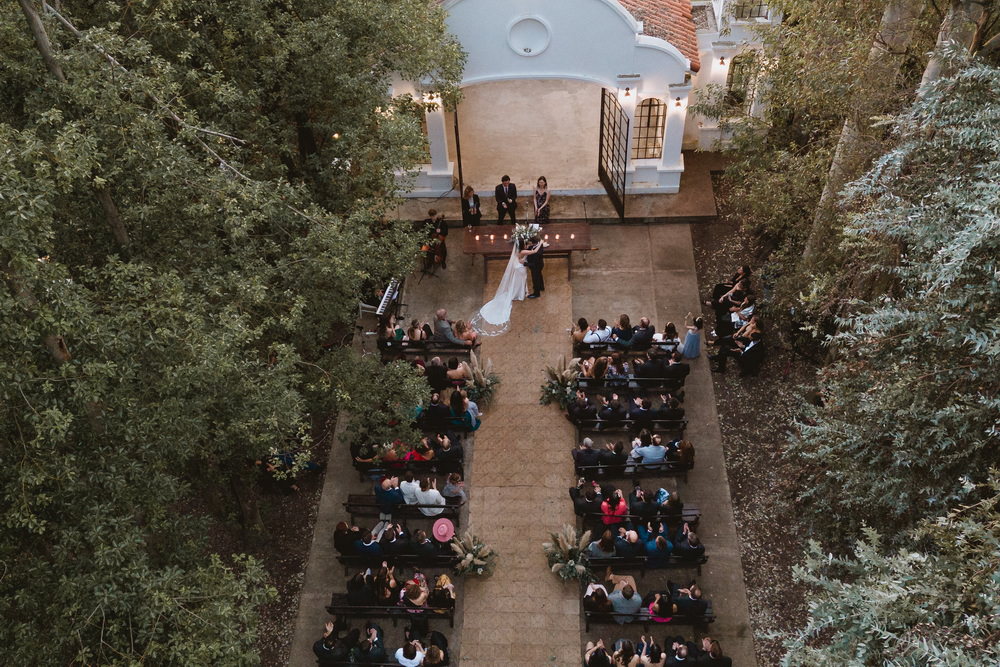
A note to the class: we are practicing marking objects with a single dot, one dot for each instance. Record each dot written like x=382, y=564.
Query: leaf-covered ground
x=755, y=413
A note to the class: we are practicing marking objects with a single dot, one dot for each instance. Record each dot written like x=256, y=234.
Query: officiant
x=535, y=263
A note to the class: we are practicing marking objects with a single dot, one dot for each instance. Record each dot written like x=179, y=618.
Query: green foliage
x=934, y=601
x=478, y=558
x=560, y=387
x=140, y=375
x=567, y=555
x=913, y=400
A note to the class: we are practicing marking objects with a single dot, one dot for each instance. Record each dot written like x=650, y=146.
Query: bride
x=493, y=318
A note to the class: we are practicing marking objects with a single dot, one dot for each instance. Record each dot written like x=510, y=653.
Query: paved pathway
x=523, y=615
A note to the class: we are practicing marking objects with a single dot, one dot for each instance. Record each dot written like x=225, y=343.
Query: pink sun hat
x=443, y=530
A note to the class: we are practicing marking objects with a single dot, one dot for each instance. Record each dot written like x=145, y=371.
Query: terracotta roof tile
x=669, y=20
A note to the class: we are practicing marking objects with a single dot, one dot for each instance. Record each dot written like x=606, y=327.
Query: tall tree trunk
x=885, y=58
x=44, y=47
x=960, y=26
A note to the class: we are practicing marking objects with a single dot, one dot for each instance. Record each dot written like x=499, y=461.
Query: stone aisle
x=523, y=614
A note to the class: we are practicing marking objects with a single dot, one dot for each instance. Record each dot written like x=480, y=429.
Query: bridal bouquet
x=526, y=231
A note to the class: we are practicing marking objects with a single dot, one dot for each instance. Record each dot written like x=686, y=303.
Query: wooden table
x=493, y=241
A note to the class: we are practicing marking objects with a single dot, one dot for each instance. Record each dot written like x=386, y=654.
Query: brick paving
x=523, y=614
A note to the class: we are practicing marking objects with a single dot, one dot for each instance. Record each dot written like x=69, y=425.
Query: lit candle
x=572, y=236
x=557, y=237
x=546, y=237
x=491, y=238
x=477, y=237
x=504, y=237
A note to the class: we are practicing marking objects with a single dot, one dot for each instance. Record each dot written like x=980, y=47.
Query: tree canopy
x=192, y=198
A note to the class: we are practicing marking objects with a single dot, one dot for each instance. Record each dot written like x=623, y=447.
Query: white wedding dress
x=493, y=318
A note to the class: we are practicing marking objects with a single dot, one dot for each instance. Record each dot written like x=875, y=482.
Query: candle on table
x=477, y=237
x=491, y=238
x=557, y=237
x=572, y=236
x=504, y=237
x=546, y=237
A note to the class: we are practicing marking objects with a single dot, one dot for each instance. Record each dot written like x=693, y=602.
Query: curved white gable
x=590, y=40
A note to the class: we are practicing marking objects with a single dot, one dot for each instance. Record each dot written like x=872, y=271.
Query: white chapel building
x=592, y=94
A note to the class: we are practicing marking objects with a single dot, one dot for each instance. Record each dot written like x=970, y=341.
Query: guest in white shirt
x=599, y=333
x=429, y=495
x=410, y=487
x=410, y=655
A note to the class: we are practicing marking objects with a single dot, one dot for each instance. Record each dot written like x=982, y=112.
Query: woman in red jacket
x=613, y=509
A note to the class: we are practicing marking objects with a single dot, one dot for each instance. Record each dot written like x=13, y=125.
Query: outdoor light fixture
x=722, y=60
x=627, y=93
x=677, y=102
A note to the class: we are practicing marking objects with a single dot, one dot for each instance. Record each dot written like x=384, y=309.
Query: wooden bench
x=633, y=385
x=626, y=563
x=689, y=514
x=419, y=468
x=416, y=348
x=584, y=350
x=592, y=426
x=339, y=607
x=365, y=505
x=635, y=470
x=642, y=617
x=442, y=560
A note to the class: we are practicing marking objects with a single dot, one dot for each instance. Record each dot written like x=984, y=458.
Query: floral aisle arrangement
x=567, y=555
x=385, y=452
x=525, y=231
x=561, y=384
x=484, y=381
x=478, y=558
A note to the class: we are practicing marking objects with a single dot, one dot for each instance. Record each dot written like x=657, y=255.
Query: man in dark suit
x=676, y=369
x=506, y=196
x=585, y=454
x=652, y=367
x=536, y=262
x=642, y=334
x=749, y=356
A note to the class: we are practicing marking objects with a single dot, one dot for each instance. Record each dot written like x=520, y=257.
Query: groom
x=536, y=262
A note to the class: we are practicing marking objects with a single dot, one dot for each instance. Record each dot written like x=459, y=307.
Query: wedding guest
x=651, y=653
x=669, y=335
x=582, y=408
x=443, y=330
x=395, y=540
x=436, y=416
x=371, y=648
x=595, y=655
x=603, y=547
x=687, y=543
x=409, y=487
x=670, y=410
x=464, y=332
x=459, y=416
x=676, y=368
x=458, y=372
x=506, y=196
x=600, y=368
x=471, y=211
x=712, y=655
x=611, y=413
x=416, y=332
x=642, y=334
x=387, y=494
x=623, y=332
x=367, y=546
x=542, y=200
x=422, y=545
x=582, y=327
x=641, y=413
x=748, y=356
x=586, y=454
x=692, y=340
x=624, y=598
x=627, y=543
x=344, y=537
x=742, y=274
x=436, y=374
x=625, y=655
x=586, y=499
x=411, y=654
x=429, y=495
x=618, y=372
x=613, y=454
x=614, y=509
x=454, y=489
x=449, y=453
x=598, y=333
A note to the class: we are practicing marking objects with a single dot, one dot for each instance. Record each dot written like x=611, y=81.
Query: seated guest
x=651, y=653
x=344, y=537
x=422, y=545
x=687, y=600
x=582, y=327
x=625, y=655
x=658, y=551
x=437, y=374
x=613, y=454
x=459, y=417
x=749, y=356
x=458, y=372
x=624, y=599
x=642, y=504
x=585, y=454
x=367, y=546
x=464, y=332
x=436, y=416
x=409, y=486
x=670, y=503
x=618, y=371
x=586, y=499
x=681, y=652
x=654, y=540
x=687, y=543
x=599, y=369
x=743, y=273
x=623, y=332
x=642, y=334
x=677, y=368
x=650, y=366
x=669, y=335
x=582, y=408
x=387, y=495
x=395, y=540
x=604, y=547
x=595, y=655
x=443, y=330
x=613, y=509
x=725, y=305
x=449, y=454
x=670, y=409
x=429, y=495
x=598, y=333
x=416, y=332
x=595, y=599
x=415, y=592
x=386, y=587
x=684, y=453
x=371, y=648
x=410, y=654
x=442, y=595
x=436, y=645
x=587, y=367
x=454, y=489
x=422, y=452
x=712, y=655
x=611, y=413
x=360, y=592
x=647, y=451
x=329, y=650
x=641, y=413
x=627, y=544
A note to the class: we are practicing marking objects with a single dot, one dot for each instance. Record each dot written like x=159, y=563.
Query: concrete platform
x=695, y=202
